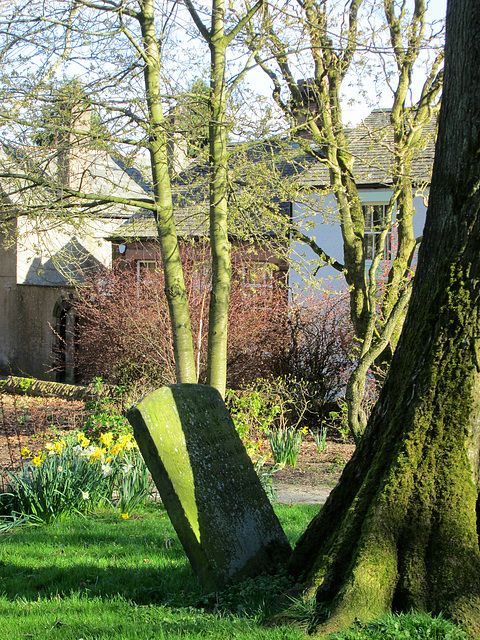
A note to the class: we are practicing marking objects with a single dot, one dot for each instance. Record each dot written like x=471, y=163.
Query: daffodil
x=25, y=452
x=107, y=439
x=124, y=515
x=80, y=436
x=37, y=461
x=126, y=441
x=59, y=446
x=96, y=454
x=50, y=447
x=85, y=495
x=106, y=470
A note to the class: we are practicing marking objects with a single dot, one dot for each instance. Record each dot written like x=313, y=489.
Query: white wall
x=49, y=256
x=319, y=219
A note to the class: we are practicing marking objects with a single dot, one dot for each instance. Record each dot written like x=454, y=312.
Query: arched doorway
x=66, y=340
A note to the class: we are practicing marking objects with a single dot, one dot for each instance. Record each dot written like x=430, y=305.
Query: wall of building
x=36, y=280
x=319, y=219
x=27, y=330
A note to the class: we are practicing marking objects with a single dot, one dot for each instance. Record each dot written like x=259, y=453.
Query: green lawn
x=105, y=577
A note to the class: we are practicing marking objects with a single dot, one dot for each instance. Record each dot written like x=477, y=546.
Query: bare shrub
x=125, y=334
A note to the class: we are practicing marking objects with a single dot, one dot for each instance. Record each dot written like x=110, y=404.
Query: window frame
x=373, y=229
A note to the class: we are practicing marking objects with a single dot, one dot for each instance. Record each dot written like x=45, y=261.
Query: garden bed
x=31, y=422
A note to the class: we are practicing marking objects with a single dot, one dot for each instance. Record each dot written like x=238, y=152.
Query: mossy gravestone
x=208, y=485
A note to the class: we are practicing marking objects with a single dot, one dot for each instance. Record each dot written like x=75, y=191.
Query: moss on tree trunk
x=400, y=529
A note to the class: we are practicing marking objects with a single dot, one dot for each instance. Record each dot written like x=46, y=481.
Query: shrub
x=285, y=444
x=321, y=351
x=125, y=318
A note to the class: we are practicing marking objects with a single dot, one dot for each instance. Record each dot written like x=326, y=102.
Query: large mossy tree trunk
x=400, y=529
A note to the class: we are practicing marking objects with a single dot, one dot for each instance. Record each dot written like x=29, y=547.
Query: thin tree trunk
x=220, y=245
x=172, y=264
x=400, y=529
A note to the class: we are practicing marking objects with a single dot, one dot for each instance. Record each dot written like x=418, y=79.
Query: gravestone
x=208, y=485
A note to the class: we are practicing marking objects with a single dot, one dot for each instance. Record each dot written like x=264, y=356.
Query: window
x=375, y=221
x=144, y=268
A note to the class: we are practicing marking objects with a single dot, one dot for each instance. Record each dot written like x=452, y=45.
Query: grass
x=101, y=577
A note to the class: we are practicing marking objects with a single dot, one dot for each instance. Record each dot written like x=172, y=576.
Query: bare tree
x=330, y=53
x=122, y=51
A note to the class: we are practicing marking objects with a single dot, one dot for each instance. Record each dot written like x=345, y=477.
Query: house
x=370, y=143
x=44, y=258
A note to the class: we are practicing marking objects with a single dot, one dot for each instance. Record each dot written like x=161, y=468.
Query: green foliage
x=339, y=420
x=267, y=404
x=320, y=438
x=105, y=578
x=106, y=417
x=305, y=612
x=133, y=482
x=285, y=444
x=25, y=383
x=57, y=486
x=254, y=597
x=266, y=473
x=103, y=422
x=252, y=411
x=411, y=626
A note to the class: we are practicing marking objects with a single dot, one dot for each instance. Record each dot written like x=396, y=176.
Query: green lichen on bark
x=399, y=531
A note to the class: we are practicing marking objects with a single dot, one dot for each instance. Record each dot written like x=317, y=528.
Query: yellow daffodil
x=84, y=442
x=80, y=436
x=25, y=452
x=107, y=439
x=126, y=441
x=116, y=449
x=59, y=446
x=37, y=461
x=124, y=515
x=97, y=453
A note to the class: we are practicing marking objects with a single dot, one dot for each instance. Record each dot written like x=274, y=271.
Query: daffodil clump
x=285, y=444
x=76, y=476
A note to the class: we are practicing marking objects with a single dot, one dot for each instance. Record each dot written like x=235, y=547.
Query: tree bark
x=221, y=260
x=400, y=529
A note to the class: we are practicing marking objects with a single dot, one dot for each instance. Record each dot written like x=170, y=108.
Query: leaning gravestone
x=208, y=485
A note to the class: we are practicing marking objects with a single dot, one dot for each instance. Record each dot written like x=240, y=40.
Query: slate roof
x=371, y=145
x=110, y=175
x=190, y=189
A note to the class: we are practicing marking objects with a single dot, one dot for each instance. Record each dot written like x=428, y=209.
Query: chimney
x=73, y=149
x=310, y=106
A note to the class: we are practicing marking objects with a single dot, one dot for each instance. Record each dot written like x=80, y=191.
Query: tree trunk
x=400, y=529
x=172, y=265
x=221, y=262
